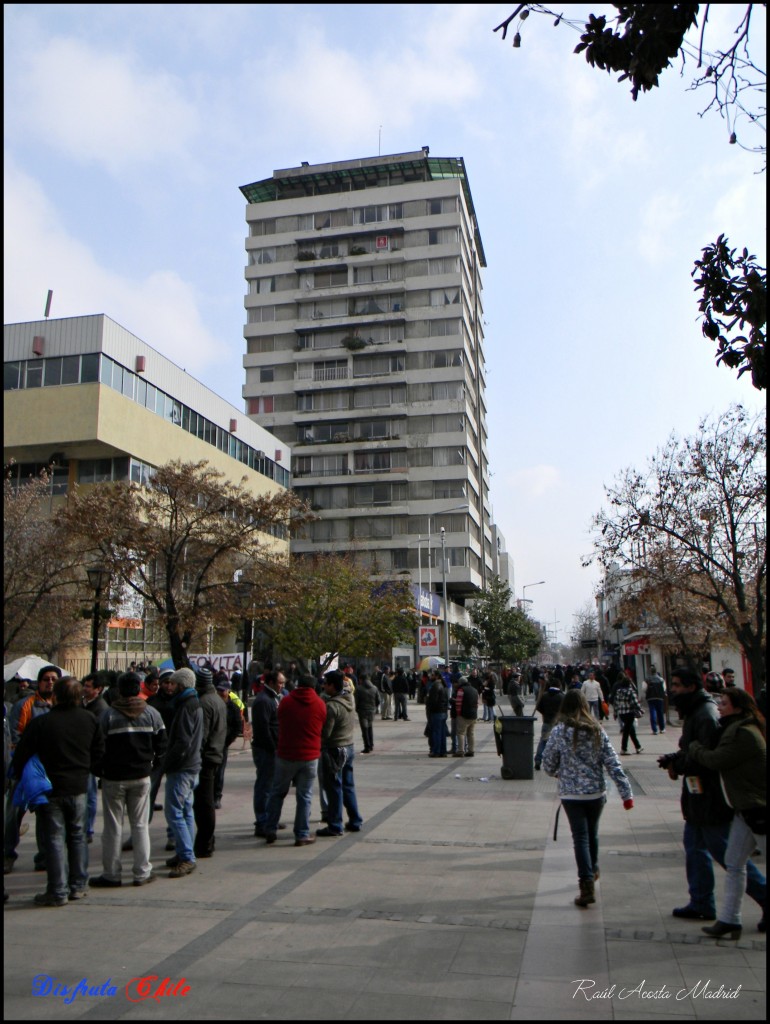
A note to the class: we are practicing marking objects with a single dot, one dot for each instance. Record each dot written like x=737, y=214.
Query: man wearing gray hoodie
x=337, y=755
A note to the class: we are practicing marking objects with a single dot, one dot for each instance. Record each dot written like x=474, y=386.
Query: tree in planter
x=694, y=520
x=180, y=542
x=507, y=634
x=44, y=586
x=335, y=608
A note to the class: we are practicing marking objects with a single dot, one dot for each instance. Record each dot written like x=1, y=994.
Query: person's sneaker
x=47, y=899
x=78, y=894
x=146, y=881
x=308, y=841
x=352, y=828
x=458, y=754
x=640, y=750
x=468, y=755
x=100, y=882
x=217, y=805
x=693, y=914
x=184, y=867
x=172, y=862
x=327, y=832
x=270, y=838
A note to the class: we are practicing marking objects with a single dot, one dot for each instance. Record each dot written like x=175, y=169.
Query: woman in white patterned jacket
x=578, y=751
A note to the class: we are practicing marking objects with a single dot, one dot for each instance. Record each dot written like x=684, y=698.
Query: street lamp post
x=446, y=602
x=524, y=591
x=97, y=578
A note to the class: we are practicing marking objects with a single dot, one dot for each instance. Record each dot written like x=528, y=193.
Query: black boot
x=720, y=930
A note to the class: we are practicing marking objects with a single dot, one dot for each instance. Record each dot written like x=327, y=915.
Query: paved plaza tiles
x=454, y=902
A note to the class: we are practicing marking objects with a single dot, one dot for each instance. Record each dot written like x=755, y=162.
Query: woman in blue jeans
x=578, y=752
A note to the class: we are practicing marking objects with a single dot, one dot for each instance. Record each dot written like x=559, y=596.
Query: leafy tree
x=648, y=38
x=43, y=580
x=694, y=521
x=334, y=608
x=180, y=542
x=507, y=634
x=469, y=641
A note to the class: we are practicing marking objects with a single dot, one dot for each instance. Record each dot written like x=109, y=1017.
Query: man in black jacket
x=436, y=707
x=70, y=745
x=704, y=809
x=93, y=688
x=264, y=743
x=212, y=753
x=181, y=765
x=135, y=740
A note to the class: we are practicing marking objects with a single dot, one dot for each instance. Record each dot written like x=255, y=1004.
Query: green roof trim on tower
x=355, y=175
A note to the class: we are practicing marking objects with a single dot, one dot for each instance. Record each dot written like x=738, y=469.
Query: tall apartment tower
x=364, y=354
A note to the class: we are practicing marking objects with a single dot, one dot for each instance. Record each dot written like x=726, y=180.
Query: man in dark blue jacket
x=264, y=743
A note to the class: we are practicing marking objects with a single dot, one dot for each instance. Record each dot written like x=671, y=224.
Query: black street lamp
x=98, y=578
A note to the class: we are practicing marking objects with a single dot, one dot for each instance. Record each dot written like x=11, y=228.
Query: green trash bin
x=515, y=740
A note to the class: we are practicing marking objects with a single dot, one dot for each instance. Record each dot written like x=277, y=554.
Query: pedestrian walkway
x=454, y=902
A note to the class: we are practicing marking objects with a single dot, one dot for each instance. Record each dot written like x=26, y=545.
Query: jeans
x=63, y=827
x=437, y=733
x=13, y=819
x=489, y=713
x=545, y=732
x=132, y=795
x=657, y=720
x=204, y=811
x=594, y=708
x=704, y=844
x=302, y=774
x=178, y=808
x=741, y=844
x=401, y=706
x=340, y=790
x=264, y=762
x=92, y=802
x=583, y=816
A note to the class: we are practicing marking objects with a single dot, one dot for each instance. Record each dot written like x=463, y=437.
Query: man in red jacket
x=301, y=716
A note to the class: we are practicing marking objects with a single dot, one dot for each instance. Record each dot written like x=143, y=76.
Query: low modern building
x=90, y=402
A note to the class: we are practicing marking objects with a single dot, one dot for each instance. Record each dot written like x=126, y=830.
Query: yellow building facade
x=88, y=398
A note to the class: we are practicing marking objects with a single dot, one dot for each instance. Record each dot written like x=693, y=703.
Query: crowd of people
x=125, y=734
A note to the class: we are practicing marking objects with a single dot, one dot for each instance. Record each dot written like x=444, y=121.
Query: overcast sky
x=129, y=129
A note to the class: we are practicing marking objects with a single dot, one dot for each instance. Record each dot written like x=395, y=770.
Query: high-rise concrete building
x=364, y=354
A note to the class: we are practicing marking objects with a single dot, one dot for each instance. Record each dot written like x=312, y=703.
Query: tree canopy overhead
x=693, y=520
x=645, y=40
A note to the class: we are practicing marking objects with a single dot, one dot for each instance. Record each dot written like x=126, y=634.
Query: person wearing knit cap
x=181, y=766
x=212, y=754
